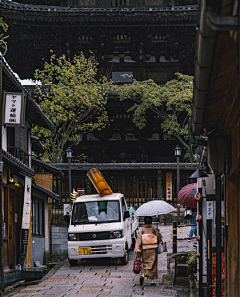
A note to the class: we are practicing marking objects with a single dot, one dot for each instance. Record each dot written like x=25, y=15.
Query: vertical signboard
x=26, y=217
x=204, y=234
x=209, y=210
x=14, y=109
x=168, y=185
x=159, y=185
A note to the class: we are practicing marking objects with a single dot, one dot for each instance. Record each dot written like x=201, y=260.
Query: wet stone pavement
x=104, y=277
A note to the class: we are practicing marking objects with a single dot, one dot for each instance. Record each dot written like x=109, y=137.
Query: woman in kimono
x=147, y=244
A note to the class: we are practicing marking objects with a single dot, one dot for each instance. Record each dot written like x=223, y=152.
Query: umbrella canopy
x=185, y=196
x=154, y=208
x=131, y=209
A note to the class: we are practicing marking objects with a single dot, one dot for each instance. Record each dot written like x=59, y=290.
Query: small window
x=120, y=2
x=37, y=216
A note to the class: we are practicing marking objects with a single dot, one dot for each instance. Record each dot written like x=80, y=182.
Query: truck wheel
x=73, y=262
x=125, y=258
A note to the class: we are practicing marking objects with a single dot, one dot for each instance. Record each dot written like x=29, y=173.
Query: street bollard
x=174, y=237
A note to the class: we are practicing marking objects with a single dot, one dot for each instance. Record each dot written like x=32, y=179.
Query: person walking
x=147, y=243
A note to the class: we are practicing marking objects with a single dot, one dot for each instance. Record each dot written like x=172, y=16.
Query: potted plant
x=192, y=261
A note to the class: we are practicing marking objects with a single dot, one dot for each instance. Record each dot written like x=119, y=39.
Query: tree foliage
x=171, y=102
x=3, y=30
x=72, y=99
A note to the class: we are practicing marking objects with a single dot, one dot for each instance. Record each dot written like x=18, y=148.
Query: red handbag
x=137, y=264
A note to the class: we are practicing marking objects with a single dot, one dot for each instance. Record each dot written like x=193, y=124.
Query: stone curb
x=52, y=271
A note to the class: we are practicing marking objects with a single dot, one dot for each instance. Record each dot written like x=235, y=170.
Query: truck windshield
x=95, y=212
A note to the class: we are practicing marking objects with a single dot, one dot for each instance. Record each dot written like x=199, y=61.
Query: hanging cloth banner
x=26, y=217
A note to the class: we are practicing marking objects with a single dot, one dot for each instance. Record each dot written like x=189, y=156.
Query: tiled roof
x=61, y=9
x=17, y=163
x=46, y=191
x=126, y=166
x=49, y=167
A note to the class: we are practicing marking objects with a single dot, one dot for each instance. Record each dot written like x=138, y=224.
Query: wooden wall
x=233, y=217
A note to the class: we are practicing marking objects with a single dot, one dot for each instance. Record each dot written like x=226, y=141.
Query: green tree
x=171, y=102
x=72, y=98
x=3, y=37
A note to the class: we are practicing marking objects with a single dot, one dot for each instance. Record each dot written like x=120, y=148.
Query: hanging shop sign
x=26, y=217
x=209, y=210
x=13, y=109
x=168, y=185
x=159, y=185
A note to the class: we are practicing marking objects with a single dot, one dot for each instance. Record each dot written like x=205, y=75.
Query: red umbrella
x=186, y=198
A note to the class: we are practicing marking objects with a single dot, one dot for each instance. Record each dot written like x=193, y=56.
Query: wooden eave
x=223, y=90
x=216, y=94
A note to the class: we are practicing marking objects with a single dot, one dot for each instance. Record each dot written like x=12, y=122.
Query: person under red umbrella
x=185, y=196
x=193, y=229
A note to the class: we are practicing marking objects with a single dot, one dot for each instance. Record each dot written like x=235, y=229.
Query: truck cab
x=100, y=227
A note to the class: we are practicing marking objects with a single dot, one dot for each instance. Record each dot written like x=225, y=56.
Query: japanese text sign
x=168, y=185
x=13, y=112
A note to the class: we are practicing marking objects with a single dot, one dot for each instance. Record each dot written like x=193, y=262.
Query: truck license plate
x=84, y=250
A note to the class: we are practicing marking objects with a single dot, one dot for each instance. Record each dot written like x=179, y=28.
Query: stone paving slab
x=98, y=278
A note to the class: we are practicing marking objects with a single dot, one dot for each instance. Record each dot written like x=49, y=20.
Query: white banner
x=27, y=203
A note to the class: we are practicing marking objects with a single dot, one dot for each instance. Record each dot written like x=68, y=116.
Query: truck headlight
x=72, y=236
x=116, y=234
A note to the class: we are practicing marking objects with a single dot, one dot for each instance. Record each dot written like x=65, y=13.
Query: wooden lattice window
x=37, y=216
x=117, y=3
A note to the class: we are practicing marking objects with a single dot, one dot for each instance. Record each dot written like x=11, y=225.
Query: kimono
x=149, y=253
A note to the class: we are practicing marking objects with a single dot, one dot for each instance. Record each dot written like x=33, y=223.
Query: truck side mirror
x=126, y=215
x=67, y=218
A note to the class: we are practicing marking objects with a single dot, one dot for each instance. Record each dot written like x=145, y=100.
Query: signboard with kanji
x=159, y=185
x=14, y=109
x=168, y=185
x=26, y=217
x=209, y=210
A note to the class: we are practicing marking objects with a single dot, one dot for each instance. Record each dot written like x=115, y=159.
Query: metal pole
x=174, y=237
x=178, y=189
x=69, y=177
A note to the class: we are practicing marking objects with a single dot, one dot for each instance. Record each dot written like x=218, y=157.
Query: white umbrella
x=154, y=208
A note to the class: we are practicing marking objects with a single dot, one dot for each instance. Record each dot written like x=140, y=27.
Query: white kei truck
x=100, y=225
